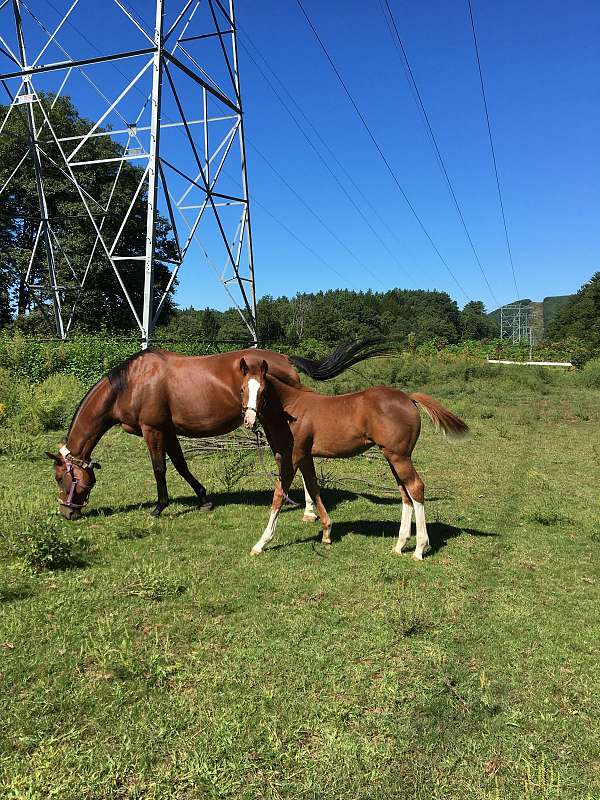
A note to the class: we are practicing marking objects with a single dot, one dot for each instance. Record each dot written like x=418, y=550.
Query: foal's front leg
x=282, y=487
x=155, y=441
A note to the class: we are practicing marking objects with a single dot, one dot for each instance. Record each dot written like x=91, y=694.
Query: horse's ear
x=243, y=366
x=264, y=367
x=53, y=457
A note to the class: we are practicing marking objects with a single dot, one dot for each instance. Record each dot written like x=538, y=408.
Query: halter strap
x=69, y=458
x=71, y=461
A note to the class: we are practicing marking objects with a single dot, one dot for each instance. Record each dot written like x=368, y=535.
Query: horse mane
x=342, y=358
x=117, y=376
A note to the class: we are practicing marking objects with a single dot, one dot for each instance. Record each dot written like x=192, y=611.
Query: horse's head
x=254, y=386
x=75, y=478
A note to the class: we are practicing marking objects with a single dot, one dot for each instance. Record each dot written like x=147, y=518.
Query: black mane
x=117, y=376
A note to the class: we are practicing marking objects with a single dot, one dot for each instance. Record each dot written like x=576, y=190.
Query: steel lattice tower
x=173, y=108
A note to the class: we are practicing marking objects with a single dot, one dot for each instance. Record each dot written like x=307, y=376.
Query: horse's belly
x=204, y=409
x=198, y=426
x=332, y=446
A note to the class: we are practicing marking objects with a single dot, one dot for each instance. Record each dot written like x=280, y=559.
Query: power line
x=318, y=135
x=319, y=155
x=489, y=128
x=410, y=75
x=140, y=91
x=319, y=219
x=306, y=246
x=380, y=151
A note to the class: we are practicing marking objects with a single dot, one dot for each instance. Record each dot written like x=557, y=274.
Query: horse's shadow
x=249, y=497
x=439, y=533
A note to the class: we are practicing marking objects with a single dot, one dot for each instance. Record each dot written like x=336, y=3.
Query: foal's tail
x=345, y=356
x=440, y=416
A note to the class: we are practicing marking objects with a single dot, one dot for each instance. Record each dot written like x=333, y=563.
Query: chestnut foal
x=300, y=424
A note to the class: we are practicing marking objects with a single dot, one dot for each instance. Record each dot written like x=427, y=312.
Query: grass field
x=170, y=664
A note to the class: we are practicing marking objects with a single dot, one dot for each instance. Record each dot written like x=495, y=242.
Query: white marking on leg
x=267, y=535
x=422, y=537
x=309, y=506
x=404, y=533
x=250, y=415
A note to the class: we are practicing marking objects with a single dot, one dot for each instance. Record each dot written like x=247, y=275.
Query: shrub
x=55, y=400
x=12, y=392
x=590, y=374
x=46, y=547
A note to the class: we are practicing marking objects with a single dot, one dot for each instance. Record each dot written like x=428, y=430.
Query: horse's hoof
x=255, y=552
x=417, y=557
x=206, y=505
x=396, y=552
x=326, y=541
x=309, y=518
x=157, y=511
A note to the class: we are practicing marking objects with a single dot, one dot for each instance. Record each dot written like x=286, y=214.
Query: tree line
x=338, y=315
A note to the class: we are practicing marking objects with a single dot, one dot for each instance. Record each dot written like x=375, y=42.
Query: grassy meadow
x=164, y=663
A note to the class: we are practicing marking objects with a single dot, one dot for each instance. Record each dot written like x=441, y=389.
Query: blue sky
x=540, y=62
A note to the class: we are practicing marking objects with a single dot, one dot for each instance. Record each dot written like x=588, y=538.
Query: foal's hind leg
x=409, y=479
x=309, y=506
x=178, y=460
x=407, y=509
x=155, y=440
x=311, y=485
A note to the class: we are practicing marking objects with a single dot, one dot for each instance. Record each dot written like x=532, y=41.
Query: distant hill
x=542, y=313
x=552, y=305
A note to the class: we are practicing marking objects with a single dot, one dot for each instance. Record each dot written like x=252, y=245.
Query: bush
x=55, y=400
x=590, y=374
x=12, y=392
x=46, y=547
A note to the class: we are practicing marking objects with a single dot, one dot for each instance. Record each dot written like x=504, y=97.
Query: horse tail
x=440, y=416
x=345, y=356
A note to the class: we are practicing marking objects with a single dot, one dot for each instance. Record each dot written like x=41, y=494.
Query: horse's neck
x=92, y=419
x=287, y=394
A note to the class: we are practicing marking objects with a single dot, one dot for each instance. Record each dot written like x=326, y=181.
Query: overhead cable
x=489, y=128
x=397, y=39
x=380, y=151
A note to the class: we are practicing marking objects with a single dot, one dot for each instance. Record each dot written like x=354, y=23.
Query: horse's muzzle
x=69, y=513
x=249, y=419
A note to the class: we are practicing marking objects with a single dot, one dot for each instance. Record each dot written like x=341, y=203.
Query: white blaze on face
x=250, y=415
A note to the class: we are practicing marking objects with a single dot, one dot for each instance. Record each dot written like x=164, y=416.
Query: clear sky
x=541, y=66
x=540, y=60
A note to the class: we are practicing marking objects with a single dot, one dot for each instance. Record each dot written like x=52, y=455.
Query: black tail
x=342, y=358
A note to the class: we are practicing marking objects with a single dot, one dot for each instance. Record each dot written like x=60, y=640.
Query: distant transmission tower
x=169, y=95
x=515, y=323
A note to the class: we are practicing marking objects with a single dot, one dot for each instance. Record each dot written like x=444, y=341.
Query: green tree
x=581, y=317
x=103, y=302
x=475, y=323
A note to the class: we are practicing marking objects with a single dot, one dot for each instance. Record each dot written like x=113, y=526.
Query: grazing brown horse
x=158, y=395
x=300, y=424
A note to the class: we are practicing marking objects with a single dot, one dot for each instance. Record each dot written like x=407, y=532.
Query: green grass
x=170, y=664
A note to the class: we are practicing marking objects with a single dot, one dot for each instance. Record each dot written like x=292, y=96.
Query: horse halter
x=71, y=461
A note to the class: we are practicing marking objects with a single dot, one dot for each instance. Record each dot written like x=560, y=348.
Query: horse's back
x=197, y=395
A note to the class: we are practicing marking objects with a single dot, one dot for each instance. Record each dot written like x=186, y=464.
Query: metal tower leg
x=148, y=311
x=44, y=231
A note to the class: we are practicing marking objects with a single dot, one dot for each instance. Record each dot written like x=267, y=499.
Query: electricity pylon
x=174, y=110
